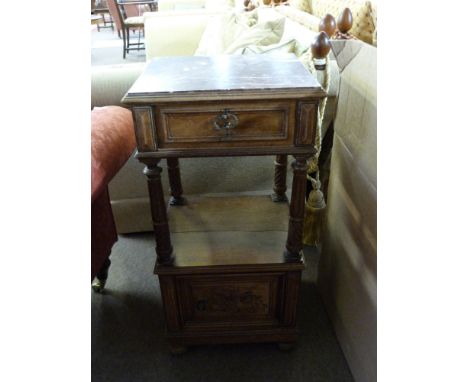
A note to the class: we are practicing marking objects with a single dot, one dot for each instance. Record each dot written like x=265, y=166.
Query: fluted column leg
x=279, y=189
x=174, y=180
x=159, y=215
x=293, y=250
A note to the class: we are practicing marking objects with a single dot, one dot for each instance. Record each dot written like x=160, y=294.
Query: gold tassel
x=314, y=219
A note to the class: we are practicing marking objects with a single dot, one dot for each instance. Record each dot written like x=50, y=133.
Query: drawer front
x=220, y=300
x=225, y=124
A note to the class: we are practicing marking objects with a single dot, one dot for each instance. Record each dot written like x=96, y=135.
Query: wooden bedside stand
x=218, y=284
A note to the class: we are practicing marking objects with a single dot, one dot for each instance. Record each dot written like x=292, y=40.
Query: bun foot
x=285, y=346
x=177, y=349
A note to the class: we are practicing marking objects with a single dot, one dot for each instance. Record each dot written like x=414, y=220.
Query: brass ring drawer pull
x=226, y=121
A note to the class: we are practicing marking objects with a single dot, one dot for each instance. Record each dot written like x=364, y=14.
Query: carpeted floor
x=128, y=333
x=107, y=48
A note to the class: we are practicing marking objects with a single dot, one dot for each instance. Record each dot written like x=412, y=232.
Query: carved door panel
x=230, y=300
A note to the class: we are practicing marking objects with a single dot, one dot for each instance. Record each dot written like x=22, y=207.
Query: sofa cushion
x=136, y=21
x=211, y=42
x=222, y=31
x=363, y=25
x=273, y=49
x=174, y=33
x=305, y=19
x=302, y=5
x=267, y=33
x=304, y=37
x=171, y=5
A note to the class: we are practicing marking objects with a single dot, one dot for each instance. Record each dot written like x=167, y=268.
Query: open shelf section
x=216, y=231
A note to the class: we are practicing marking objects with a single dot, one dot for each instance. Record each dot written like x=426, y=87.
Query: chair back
x=114, y=10
x=115, y=14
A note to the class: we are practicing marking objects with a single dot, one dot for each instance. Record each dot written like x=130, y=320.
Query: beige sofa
x=182, y=33
x=364, y=15
x=347, y=276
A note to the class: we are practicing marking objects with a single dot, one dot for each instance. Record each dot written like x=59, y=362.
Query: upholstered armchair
x=112, y=142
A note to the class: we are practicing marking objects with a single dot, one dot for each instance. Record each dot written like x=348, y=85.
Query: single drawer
x=230, y=300
x=225, y=124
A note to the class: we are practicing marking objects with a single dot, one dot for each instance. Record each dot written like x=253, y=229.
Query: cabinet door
x=230, y=300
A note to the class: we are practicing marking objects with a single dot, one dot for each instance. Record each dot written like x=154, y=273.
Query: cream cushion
x=232, y=32
x=302, y=5
x=280, y=48
x=134, y=20
x=211, y=42
x=219, y=33
x=304, y=37
x=172, y=5
x=266, y=33
x=307, y=20
x=165, y=37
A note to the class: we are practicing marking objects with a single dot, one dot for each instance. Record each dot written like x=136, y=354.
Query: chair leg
x=101, y=278
x=128, y=41
x=124, y=42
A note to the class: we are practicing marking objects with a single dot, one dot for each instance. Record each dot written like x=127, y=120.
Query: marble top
x=166, y=76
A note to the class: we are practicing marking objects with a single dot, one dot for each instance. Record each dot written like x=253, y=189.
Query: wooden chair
x=101, y=8
x=127, y=17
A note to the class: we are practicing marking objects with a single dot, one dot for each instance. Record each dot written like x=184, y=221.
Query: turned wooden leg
x=293, y=250
x=174, y=180
x=159, y=215
x=281, y=166
x=100, y=281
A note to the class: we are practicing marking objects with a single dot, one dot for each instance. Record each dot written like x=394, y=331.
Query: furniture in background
x=364, y=15
x=134, y=23
x=112, y=142
x=131, y=10
x=220, y=285
x=96, y=19
x=101, y=8
x=347, y=274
